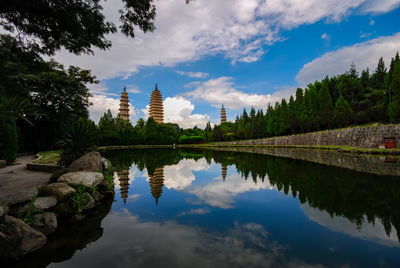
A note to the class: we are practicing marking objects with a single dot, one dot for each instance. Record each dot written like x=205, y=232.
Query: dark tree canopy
x=76, y=25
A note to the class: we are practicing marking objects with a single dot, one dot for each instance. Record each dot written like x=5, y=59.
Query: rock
x=104, y=185
x=89, y=201
x=88, y=179
x=54, y=177
x=21, y=238
x=43, y=203
x=46, y=222
x=65, y=210
x=19, y=210
x=61, y=190
x=3, y=163
x=97, y=196
x=88, y=162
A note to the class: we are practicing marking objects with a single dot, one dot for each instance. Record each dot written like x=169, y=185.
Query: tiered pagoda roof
x=157, y=183
x=223, y=114
x=156, y=106
x=124, y=106
x=124, y=183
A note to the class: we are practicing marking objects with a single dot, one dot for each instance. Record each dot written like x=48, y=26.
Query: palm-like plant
x=79, y=137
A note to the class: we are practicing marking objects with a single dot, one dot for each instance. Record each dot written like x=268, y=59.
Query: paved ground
x=17, y=184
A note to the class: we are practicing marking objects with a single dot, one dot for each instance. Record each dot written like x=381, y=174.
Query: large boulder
x=88, y=162
x=56, y=174
x=88, y=179
x=61, y=190
x=46, y=222
x=20, y=238
x=44, y=203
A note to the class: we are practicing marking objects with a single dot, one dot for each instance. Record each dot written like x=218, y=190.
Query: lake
x=205, y=208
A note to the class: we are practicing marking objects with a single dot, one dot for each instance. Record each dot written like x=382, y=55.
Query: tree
x=342, y=113
x=75, y=25
x=394, y=108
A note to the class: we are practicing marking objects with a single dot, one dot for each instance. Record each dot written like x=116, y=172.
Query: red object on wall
x=390, y=142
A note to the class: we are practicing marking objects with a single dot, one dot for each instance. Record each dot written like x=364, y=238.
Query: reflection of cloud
x=371, y=232
x=181, y=176
x=195, y=211
x=221, y=193
x=149, y=244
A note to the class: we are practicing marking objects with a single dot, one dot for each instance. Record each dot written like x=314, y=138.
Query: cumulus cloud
x=222, y=91
x=363, y=55
x=193, y=74
x=237, y=29
x=179, y=110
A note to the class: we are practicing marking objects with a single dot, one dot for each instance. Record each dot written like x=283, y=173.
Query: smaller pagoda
x=124, y=106
x=157, y=183
x=124, y=183
x=224, y=171
x=223, y=114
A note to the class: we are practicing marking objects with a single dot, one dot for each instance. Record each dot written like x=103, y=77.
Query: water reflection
x=157, y=183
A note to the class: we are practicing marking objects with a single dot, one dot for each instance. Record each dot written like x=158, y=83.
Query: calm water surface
x=176, y=208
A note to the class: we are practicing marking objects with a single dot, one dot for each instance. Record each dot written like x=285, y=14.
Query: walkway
x=17, y=184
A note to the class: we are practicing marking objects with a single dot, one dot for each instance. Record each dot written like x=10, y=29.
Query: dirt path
x=17, y=184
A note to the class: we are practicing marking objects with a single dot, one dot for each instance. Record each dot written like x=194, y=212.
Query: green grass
x=48, y=157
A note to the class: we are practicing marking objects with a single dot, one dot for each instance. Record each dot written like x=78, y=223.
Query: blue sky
x=239, y=53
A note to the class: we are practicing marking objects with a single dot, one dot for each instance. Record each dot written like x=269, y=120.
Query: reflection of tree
x=157, y=183
x=124, y=183
x=338, y=191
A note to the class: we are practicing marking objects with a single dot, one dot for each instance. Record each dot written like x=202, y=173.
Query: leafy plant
x=79, y=199
x=79, y=137
x=29, y=217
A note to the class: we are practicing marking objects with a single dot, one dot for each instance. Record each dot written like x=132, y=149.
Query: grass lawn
x=48, y=157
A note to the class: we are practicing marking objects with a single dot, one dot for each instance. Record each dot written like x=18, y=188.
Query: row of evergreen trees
x=339, y=101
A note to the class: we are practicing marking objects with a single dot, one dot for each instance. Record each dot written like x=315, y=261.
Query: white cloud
x=193, y=74
x=195, y=211
x=363, y=55
x=179, y=110
x=221, y=91
x=237, y=29
x=380, y=6
x=371, y=22
x=325, y=36
x=133, y=89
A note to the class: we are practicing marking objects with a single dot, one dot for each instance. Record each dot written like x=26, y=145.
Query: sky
x=239, y=53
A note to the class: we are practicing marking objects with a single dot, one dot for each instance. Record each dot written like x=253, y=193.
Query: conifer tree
x=342, y=113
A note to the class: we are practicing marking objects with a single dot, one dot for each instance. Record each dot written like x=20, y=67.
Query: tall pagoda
x=224, y=171
x=157, y=183
x=124, y=106
x=156, y=106
x=124, y=183
x=223, y=114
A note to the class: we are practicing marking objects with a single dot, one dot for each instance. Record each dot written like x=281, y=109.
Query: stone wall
x=366, y=137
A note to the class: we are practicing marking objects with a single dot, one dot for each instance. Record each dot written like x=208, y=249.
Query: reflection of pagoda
x=156, y=106
x=223, y=114
x=157, y=183
x=224, y=169
x=124, y=183
x=124, y=106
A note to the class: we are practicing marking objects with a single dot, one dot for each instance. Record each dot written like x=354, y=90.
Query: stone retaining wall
x=365, y=137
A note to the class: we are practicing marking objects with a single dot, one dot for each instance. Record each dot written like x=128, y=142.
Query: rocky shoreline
x=69, y=198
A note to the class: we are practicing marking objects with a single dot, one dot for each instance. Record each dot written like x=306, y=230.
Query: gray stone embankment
x=364, y=137
x=68, y=199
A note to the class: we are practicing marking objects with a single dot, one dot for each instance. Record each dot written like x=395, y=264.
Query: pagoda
x=124, y=106
x=224, y=171
x=124, y=183
x=157, y=183
x=223, y=114
x=156, y=106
